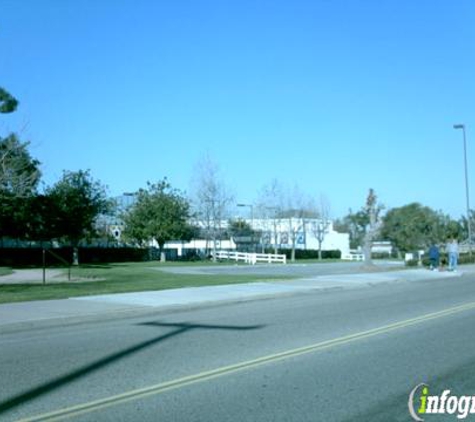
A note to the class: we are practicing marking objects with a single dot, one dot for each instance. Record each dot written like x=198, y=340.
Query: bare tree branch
x=211, y=199
x=19, y=172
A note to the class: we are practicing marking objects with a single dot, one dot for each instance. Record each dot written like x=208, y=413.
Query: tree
x=12, y=216
x=460, y=229
x=78, y=200
x=19, y=178
x=372, y=210
x=363, y=225
x=298, y=210
x=211, y=199
x=242, y=233
x=19, y=172
x=270, y=206
x=354, y=224
x=8, y=103
x=290, y=205
x=160, y=213
x=321, y=227
x=414, y=226
x=293, y=212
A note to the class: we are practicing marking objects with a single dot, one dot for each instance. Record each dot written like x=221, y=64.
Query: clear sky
x=336, y=96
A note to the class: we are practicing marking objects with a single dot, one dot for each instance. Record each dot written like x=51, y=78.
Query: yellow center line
x=245, y=365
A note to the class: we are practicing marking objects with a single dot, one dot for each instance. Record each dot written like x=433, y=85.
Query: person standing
x=453, y=254
x=434, y=256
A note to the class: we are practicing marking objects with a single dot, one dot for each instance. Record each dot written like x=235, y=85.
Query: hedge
x=23, y=257
x=308, y=254
x=33, y=257
x=463, y=259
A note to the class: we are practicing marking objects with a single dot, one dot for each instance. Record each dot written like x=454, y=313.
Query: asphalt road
x=294, y=270
x=337, y=355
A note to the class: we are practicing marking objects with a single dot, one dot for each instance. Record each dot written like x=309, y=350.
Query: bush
x=27, y=257
x=442, y=261
x=107, y=255
x=465, y=258
x=412, y=263
x=307, y=253
x=24, y=257
x=380, y=255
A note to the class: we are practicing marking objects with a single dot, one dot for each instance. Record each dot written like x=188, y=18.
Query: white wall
x=305, y=236
x=305, y=232
x=200, y=244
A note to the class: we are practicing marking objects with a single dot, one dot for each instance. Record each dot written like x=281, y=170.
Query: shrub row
x=463, y=259
x=412, y=263
x=23, y=257
x=384, y=255
x=308, y=254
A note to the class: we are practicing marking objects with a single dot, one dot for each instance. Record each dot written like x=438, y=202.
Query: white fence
x=251, y=258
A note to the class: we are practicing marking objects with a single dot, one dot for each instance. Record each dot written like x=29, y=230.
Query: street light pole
x=462, y=126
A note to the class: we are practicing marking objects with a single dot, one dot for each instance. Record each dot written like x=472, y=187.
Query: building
x=269, y=233
x=280, y=233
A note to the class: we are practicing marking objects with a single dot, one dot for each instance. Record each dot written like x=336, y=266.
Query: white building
x=280, y=232
x=303, y=232
x=199, y=245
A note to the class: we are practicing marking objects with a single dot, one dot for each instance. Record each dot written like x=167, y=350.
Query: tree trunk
x=163, y=257
x=294, y=240
x=275, y=238
x=214, y=248
x=75, y=256
x=304, y=229
x=367, y=250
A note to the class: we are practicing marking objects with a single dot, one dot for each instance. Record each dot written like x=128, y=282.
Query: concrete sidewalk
x=52, y=312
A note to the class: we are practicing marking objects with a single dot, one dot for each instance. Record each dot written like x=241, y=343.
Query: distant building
x=281, y=233
x=303, y=232
x=113, y=225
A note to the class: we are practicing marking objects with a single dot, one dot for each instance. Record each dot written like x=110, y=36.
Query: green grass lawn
x=5, y=271
x=118, y=278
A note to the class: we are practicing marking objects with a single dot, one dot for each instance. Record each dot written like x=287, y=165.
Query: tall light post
x=251, y=207
x=462, y=126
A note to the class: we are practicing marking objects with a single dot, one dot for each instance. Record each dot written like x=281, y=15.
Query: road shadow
x=179, y=328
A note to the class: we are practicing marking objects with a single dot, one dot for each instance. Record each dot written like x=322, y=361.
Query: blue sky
x=334, y=96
